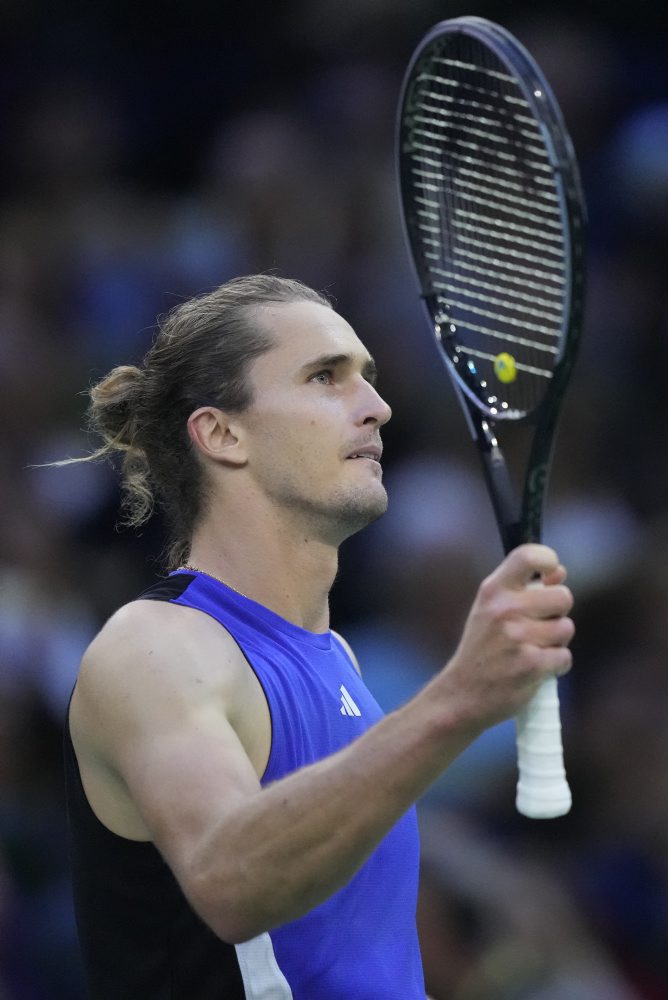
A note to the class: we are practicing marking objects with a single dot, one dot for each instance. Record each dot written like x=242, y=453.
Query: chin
x=356, y=512
x=339, y=515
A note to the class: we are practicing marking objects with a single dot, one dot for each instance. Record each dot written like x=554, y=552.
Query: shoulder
x=153, y=653
x=145, y=628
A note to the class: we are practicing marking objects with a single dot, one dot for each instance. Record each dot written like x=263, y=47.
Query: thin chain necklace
x=195, y=569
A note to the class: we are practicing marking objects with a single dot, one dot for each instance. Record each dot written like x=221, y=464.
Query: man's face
x=313, y=428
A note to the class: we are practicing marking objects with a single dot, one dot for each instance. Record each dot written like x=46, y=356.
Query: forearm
x=288, y=848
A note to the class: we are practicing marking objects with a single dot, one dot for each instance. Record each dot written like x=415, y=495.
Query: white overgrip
x=542, y=788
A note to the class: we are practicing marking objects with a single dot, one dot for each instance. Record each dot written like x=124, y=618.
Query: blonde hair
x=200, y=356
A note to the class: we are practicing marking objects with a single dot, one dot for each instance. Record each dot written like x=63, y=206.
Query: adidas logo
x=348, y=706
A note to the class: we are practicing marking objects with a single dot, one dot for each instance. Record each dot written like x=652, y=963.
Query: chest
x=316, y=705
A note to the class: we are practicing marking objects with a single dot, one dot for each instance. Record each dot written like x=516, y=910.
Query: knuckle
x=529, y=659
x=488, y=588
x=496, y=607
x=504, y=616
x=512, y=631
x=536, y=554
x=525, y=555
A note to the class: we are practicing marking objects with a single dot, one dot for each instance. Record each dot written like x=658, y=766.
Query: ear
x=217, y=436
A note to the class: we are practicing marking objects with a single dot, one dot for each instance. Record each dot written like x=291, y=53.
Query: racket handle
x=542, y=788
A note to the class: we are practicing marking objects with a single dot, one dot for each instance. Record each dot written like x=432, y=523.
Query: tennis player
x=241, y=814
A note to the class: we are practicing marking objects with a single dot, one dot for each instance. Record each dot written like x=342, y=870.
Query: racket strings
x=516, y=235
x=487, y=220
x=479, y=131
x=500, y=169
x=527, y=302
x=512, y=269
x=474, y=192
x=477, y=286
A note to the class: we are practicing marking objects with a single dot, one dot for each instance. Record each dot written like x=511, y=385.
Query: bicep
x=184, y=775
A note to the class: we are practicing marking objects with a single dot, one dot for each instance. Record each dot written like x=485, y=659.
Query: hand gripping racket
x=494, y=218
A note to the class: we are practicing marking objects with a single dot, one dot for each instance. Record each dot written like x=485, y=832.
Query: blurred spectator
x=494, y=927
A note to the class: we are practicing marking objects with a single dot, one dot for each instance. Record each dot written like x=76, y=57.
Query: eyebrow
x=369, y=369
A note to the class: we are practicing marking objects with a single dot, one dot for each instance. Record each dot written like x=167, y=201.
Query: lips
x=370, y=451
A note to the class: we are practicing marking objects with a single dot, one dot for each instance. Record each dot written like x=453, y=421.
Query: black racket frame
x=517, y=522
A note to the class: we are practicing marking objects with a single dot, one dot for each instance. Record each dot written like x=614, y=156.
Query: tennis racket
x=494, y=219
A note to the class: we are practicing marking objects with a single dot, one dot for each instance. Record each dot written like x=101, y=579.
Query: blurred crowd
x=151, y=153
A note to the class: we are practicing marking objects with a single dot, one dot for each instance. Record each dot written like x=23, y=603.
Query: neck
x=285, y=570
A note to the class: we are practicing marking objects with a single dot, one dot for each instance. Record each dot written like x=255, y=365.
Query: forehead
x=304, y=330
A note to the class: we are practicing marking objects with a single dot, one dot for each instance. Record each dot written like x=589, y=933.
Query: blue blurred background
x=150, y=152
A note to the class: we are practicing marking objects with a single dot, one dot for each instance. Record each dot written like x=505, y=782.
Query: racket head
x=494, y=215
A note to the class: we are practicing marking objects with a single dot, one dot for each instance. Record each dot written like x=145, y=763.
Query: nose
x=375, y=410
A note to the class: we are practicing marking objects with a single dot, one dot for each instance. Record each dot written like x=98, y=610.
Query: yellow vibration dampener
x=505, y=368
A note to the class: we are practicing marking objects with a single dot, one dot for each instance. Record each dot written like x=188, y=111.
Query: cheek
x=290, y=451
x=287, y=435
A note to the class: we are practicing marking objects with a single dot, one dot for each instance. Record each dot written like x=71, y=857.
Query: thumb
x=526, y=562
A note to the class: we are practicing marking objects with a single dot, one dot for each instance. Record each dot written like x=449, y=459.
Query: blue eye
x=324, y=377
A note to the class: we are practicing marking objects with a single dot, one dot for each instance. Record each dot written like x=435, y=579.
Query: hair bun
x=114, y=403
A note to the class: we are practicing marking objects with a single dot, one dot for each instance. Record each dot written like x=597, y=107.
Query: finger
x=544, y=634
x=556, y=660
x=546, y=660
x=525, y=563
x=558, y=576
x=543, y=601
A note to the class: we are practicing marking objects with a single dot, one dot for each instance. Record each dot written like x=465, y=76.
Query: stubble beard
x=339, y=516
x=353, y=513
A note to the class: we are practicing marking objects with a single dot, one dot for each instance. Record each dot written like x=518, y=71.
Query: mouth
x=372, y=453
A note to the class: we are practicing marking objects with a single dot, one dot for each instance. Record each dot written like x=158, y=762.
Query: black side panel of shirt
x=140, y=938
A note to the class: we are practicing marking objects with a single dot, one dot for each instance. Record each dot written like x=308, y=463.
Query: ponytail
x=202, y=352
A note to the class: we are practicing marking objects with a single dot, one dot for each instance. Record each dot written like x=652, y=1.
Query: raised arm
x=173, y=714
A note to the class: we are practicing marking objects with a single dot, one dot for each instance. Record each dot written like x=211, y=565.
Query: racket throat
x=504, y=500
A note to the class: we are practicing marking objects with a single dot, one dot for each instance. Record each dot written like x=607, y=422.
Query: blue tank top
x=361, y=944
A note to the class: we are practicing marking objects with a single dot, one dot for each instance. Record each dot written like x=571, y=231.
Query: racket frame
x=518, y=520
x=542, y=790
